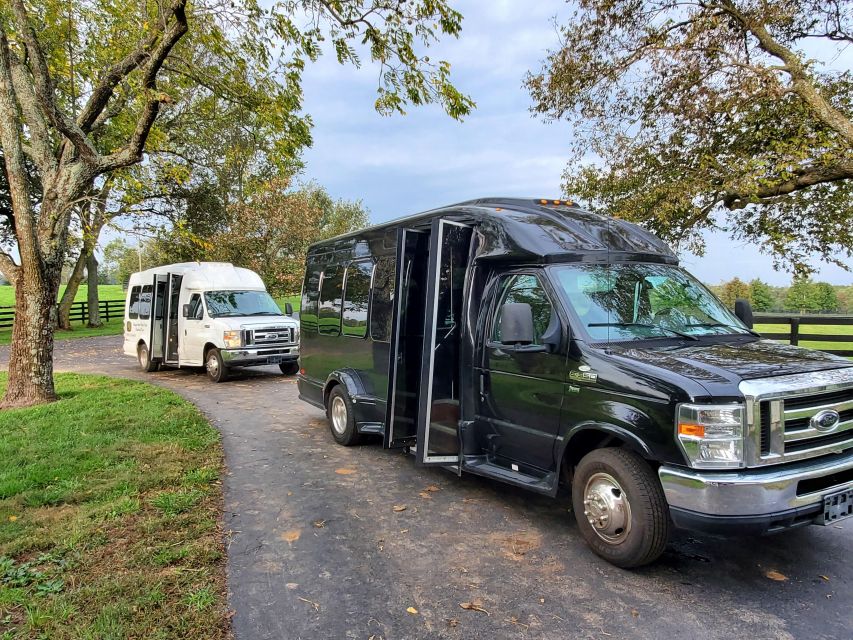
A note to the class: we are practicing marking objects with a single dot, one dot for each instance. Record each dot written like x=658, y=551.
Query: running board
x=541, y=484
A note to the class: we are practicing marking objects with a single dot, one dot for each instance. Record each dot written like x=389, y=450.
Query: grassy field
x=105, y=292
x=110, y=508
x=113, y=327
x=817, y=329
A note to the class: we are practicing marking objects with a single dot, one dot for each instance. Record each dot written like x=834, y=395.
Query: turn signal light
x=693, y=430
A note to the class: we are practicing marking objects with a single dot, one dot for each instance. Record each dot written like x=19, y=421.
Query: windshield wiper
x=645, y=325
x=739, y=330
x=267, y=313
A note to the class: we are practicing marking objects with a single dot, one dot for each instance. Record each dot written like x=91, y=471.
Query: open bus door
x=173, y=293
x=157, y=336
x=440, y=389
x=406, y=338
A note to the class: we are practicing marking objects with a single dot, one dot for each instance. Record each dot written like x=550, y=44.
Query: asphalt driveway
x=333, y=542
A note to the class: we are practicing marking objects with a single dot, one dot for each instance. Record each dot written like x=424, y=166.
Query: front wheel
x=215, y=366
x=289, y=368
x=620, y=507
x=144, y=357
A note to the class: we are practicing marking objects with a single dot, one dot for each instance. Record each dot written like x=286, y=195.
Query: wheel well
x=331, y=385
x=140, y=343
x=207, y=349
x=584, y=442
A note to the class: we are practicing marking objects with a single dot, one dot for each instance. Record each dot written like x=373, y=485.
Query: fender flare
x=346, y=377
x=631, y=440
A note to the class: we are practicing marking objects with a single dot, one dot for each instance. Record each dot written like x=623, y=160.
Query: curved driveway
x=317, y=550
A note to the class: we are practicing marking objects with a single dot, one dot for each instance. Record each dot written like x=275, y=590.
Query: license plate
x=274, y=360
x=837, y=506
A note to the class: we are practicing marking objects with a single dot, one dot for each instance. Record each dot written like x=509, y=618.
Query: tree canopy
x=702, y=113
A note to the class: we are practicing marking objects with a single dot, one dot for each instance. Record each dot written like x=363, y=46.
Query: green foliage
x=804, y=295
x=732, y=290
x=706, y=114
x=760, y=295
x=271, y=232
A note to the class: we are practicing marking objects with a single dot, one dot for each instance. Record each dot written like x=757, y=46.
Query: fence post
x=795, y=331
x=107, y=310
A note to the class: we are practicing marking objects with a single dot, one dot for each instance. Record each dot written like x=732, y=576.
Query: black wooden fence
x=798, y=330
x=109, y=309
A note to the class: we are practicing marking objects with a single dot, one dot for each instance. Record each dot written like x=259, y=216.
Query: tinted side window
x=525, y=288
x=382, y=302
x=329, y=311
x=356, y=299
x=196, y=308
x=133, y=304
x=145, y=302
x=310, y=294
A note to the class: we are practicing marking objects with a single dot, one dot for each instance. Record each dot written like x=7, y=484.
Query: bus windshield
x=221, y=304
x=631, y=301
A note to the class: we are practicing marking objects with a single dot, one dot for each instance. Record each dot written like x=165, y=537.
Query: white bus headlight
x=711, y=436
x=232, y=339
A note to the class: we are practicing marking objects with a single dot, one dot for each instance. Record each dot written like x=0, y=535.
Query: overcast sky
x=404, y=164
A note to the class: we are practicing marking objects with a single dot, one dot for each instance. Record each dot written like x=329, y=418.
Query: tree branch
x=803, y=178
x=43, y=86
x=16, y=173
x=801, y=82
x=132, y=152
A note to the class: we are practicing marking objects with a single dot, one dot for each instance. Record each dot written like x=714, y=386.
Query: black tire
x=342, y=426
x=646, y=520
x=289, y=368
x=144, y=358
x=215, y=366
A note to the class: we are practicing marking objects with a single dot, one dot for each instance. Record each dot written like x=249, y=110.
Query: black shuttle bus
x=539, y=344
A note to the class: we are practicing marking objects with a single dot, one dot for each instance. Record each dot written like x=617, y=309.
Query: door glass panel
x=172, y=330
x=442, y=417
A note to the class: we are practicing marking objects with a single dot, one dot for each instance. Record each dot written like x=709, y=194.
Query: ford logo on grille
x=272, y=336
x=825, y=420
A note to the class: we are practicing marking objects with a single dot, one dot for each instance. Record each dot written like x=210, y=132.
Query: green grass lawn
x=817, y=329
x=105, y=292
x=110, y=505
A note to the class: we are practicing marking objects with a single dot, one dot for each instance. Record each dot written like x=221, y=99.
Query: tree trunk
x=31, y=355
x=71, y=291
x=92, y=291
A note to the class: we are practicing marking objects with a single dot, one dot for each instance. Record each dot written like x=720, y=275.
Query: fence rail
x=79, y=312
x=796, y=333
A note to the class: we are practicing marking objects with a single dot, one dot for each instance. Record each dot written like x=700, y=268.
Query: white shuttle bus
x=209, y=314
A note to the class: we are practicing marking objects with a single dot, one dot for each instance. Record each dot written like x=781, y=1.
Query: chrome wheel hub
x=339, y=415
x=212, y=365
x=606, y=508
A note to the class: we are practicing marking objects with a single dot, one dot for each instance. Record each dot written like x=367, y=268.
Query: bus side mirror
x=516, y=323
x=288, y=309
x=185, y=311
x=743, y=310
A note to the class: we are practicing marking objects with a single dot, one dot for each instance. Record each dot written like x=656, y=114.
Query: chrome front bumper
x=247, y=356
x=756, y=492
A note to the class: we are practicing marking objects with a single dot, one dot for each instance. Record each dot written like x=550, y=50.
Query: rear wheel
x=341, y=418
x=144, y=357
x=289, y=368
x=620, y=507
x=215, y=367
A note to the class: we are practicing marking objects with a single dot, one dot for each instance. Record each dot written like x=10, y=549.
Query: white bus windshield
x=221, y=304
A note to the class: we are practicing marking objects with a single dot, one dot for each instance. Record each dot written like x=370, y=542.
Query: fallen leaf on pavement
x=344, y=471
x=319, y=524
x=316, y=605
x=431, y=488
x=775, y=575
x=476, y=605
x=825, y=578
x=292, y=585
x=291, y=536
x=412, y=610
x=399, y=507
x=424, y=494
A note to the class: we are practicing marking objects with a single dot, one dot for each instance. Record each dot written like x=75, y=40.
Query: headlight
x=711, y=436
x=232, y=339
